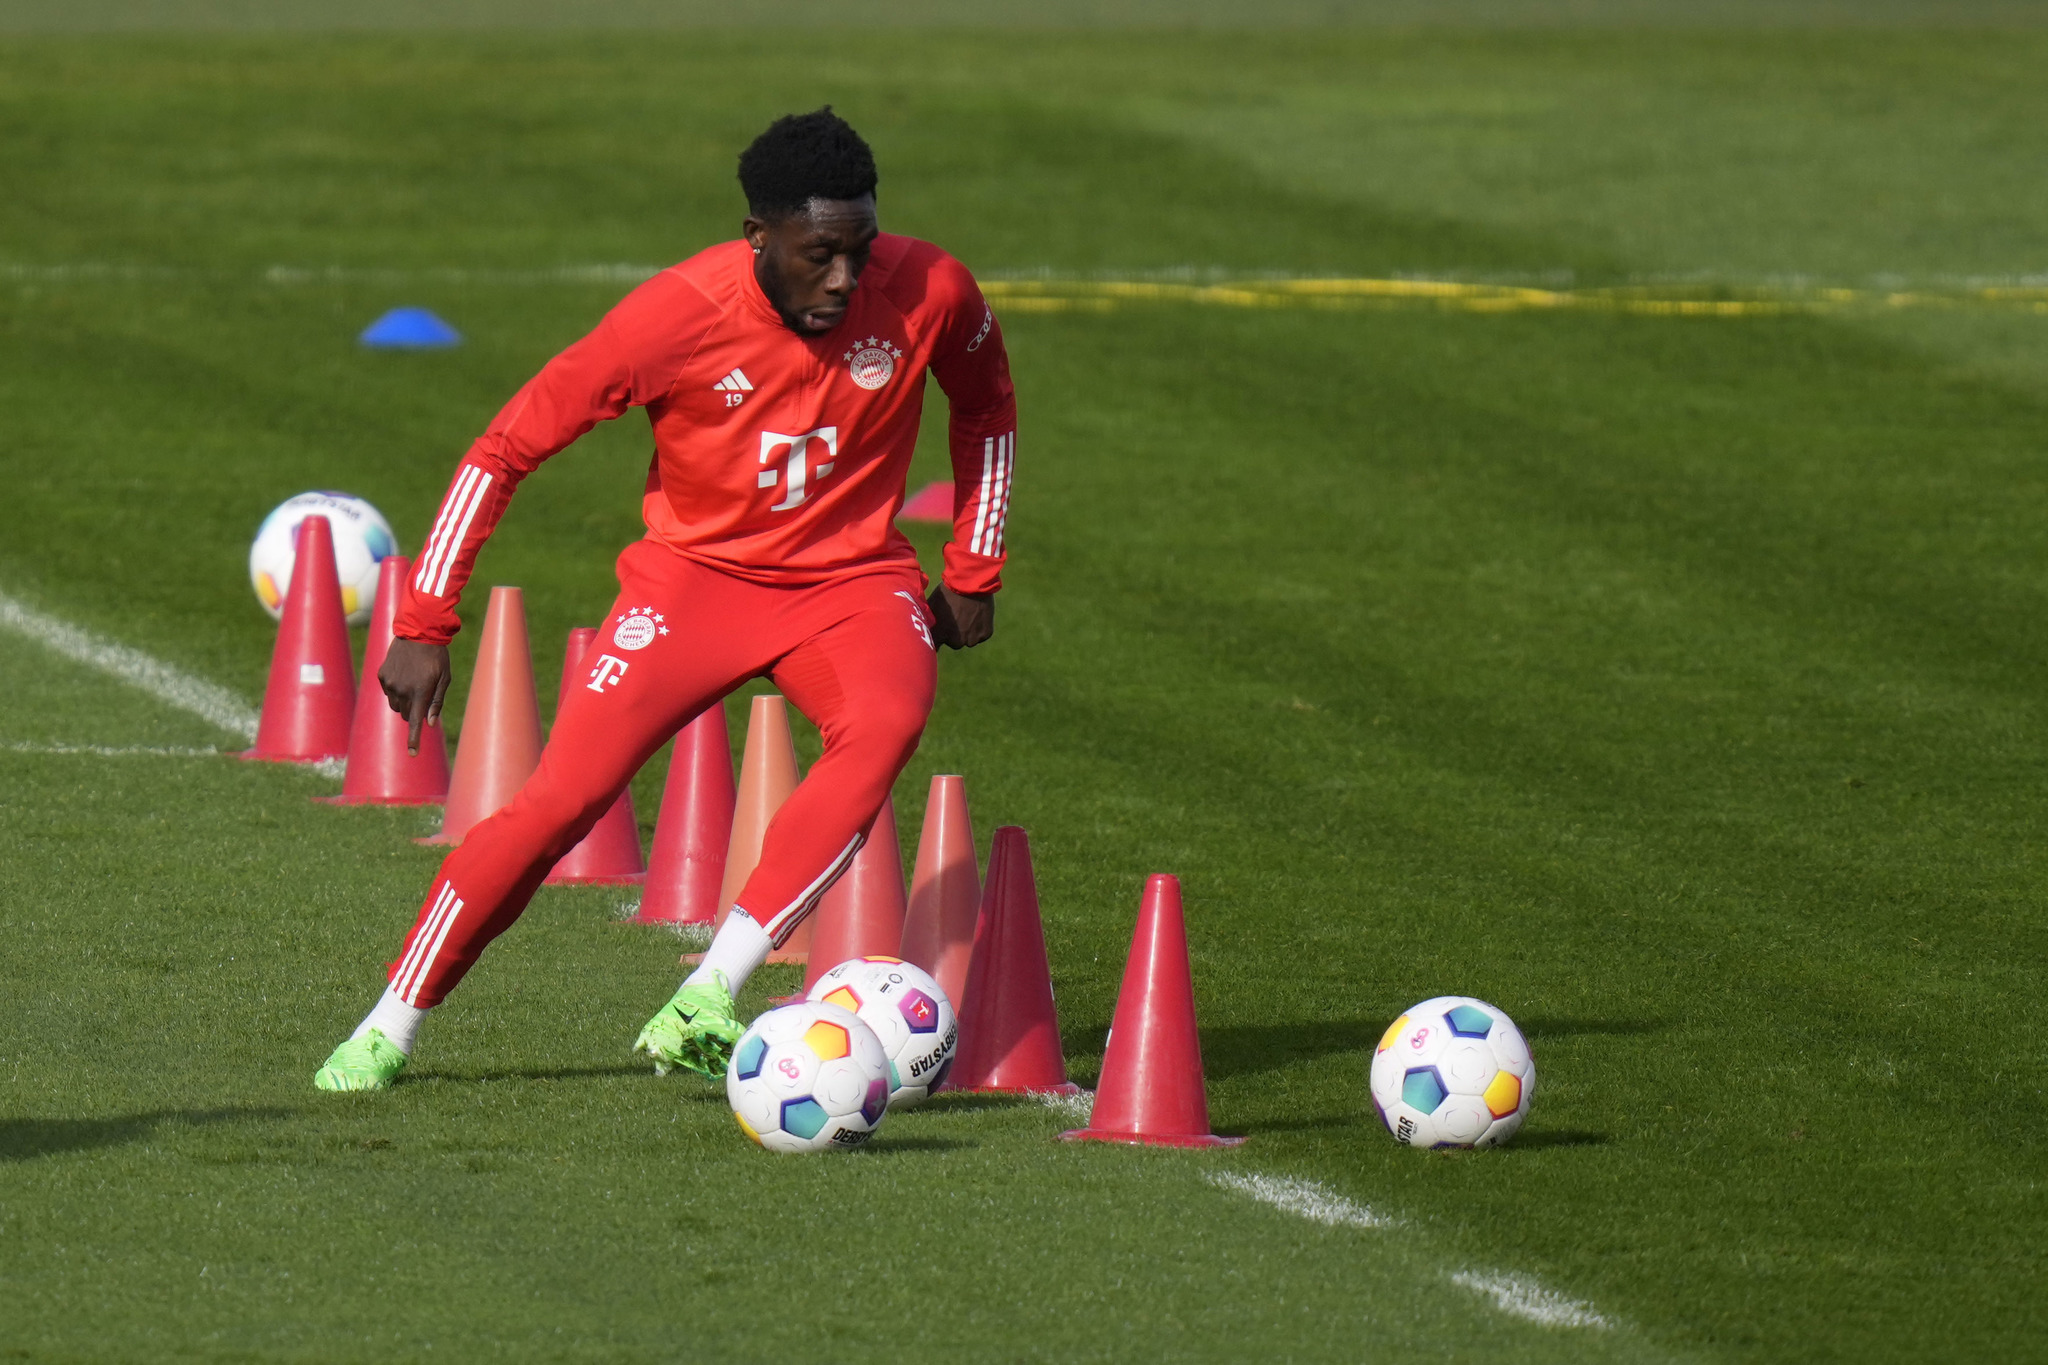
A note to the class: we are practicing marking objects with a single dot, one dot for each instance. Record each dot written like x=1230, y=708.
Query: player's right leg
x=641, y=683
x=862, y=669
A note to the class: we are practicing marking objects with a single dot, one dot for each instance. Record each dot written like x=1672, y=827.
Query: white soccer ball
x=362, y=539
x=907, y=1011
x=808, y=1077
x=1452, y=1072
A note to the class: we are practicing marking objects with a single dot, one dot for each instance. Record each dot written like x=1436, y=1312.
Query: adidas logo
x=735, y=382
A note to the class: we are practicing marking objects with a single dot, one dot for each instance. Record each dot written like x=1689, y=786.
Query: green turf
x=1672, y=682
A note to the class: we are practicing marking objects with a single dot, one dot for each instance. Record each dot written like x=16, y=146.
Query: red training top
x=778, y=457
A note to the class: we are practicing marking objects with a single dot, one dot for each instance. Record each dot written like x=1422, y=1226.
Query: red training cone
x=610, y=854
x=500, y=743
x=380, y=771
x=863, y=912
x=1009, y=1034
x=687, y=865
x=933, y=502
x=1151, y=1090
x=945, y=891
x=311, y=697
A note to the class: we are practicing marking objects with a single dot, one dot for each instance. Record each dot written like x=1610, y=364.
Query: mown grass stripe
x=111, y=750
x=1035, y=291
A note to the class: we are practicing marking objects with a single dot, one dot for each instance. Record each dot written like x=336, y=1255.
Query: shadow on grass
x=561, y=1073
x=957, y=1103
x=1558, y=1137
x=883, y=1146
x=1305, y=1124
x=1253, y=1049
x=1565, y=1028
x=27, y=1139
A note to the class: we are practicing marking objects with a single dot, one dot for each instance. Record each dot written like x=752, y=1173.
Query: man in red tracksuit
x=783, y=375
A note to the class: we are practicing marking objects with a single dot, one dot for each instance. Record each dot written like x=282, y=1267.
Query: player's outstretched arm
x=415, y=679
x=961, y=620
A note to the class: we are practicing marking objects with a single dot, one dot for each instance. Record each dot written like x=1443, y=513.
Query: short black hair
x=802, y=157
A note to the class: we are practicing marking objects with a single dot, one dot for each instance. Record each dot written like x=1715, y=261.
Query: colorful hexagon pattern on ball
x=907, y=1011
x=1452, y=1072
x=362, y=541
x=809, y=1077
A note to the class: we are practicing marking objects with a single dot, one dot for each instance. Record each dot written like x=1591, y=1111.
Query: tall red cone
x=767, y=777
x=863, y=912
x=687, y=865
x=311, y=697
x=500, y=743
x=945, y=890
x=1151, y=1091
x=380, y=771
x=610, y=854
x=1009, y=1033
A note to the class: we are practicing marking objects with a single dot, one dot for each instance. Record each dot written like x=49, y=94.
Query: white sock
x=741, y=946
x=397, y=1020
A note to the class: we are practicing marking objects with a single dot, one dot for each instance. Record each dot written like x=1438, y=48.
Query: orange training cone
x=687, y=865
x=1009, y=1034
x=863, y=912
x=1151, y=1090
x=767, y=777
x=610, y=854
x=380, y=771
x=500, y=743
x=945, y=891
x=311, y=696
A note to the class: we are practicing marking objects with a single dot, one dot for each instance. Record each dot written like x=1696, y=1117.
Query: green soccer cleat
x=695, y=1030
x=370, y=1062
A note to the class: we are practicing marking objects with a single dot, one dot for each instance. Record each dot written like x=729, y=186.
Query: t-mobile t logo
x=797, y=464
x=610, y=668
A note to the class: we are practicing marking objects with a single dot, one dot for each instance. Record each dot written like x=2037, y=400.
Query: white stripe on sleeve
x=437, y=540
x=988, y=465
x=453, y=550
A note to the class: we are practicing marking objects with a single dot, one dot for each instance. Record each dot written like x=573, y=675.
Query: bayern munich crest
x=638, y=628
x=871, y=362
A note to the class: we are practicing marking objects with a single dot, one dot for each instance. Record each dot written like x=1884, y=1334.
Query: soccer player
x=783, y=375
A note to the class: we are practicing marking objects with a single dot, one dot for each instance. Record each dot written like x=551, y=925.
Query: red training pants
x=854, y=654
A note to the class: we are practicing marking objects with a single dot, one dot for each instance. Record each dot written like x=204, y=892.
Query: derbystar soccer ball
x=808, y=1077
x=1452, y=1072
x=907, y=1011
x=362, y=538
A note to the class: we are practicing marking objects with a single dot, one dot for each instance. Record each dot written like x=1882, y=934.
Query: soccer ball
x=907, y=1011
x=1452, y=1072
x=362, y=538
x=807, y=1078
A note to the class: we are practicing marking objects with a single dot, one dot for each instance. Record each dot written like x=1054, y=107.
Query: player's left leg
x=866, y=677
x=640, y=684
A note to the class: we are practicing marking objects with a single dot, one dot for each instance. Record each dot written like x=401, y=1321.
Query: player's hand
x=415, y=678
x=962, y=620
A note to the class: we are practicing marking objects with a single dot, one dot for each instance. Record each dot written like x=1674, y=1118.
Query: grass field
x=1672, y=681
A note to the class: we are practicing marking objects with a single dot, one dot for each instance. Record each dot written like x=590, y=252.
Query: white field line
x=695, y=937
x=208, y=701
x=1304, y=1199
x=111, y=750
x=1075, y=1107
x=1521, y=1297
x=1515, y=1295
